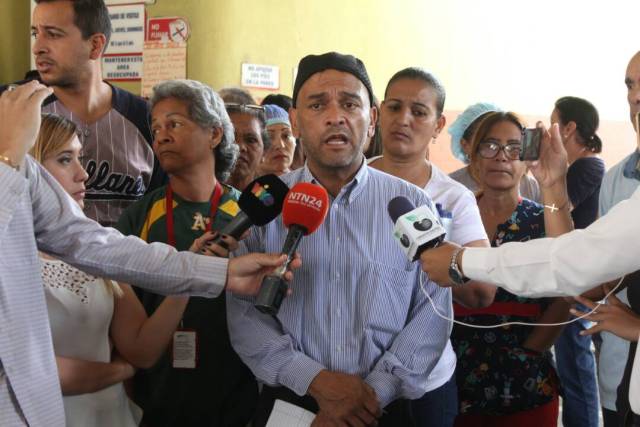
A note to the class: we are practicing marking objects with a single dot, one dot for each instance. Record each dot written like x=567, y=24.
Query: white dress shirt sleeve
x=12, y=186
x=567, y=265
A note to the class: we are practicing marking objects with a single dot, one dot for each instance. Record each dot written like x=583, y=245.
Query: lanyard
x=215, y=200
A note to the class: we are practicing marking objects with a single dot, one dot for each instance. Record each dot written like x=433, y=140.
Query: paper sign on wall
x=163, y=61
x=127, y=35
x=122, y=67
x=261, y=76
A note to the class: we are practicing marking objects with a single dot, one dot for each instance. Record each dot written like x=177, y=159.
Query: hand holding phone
x=530, y=149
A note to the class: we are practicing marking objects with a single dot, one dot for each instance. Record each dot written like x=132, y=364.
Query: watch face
x=455, y=276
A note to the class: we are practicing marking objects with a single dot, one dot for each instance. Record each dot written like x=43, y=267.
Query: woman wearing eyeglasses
x=505, y=375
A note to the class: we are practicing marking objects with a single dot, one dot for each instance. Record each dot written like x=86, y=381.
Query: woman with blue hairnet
x=461, y=131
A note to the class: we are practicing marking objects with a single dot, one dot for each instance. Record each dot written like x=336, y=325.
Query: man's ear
x=98, y=45
x=293, y=118
x=373, y=115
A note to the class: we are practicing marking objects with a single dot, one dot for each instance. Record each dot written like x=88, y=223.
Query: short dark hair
x=90, y=16
x=283, y=101
x=585, y=115
x=236, y=95
x=415, y=73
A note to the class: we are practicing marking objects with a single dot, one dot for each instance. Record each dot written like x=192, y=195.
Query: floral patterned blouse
x=495, y=374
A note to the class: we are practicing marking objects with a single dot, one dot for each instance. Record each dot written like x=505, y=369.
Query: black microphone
x=416, y=229
x=260, y=203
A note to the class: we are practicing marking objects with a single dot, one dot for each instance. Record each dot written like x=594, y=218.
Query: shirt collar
x=351, y=190
x=632, y=166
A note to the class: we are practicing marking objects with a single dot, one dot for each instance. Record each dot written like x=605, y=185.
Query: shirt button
x=339, y=349
x=87, y=132
x=337, y=313
x=337, y=275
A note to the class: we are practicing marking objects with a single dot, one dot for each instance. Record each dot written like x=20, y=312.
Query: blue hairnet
x=462, y=122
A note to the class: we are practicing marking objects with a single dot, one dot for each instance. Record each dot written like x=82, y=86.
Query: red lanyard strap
x=213, y=208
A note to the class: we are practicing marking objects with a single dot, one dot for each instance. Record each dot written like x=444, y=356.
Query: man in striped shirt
x=357, y=335
x=70, y=37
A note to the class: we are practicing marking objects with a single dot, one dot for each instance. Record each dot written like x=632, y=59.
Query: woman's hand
x=614, y=317
x=203, y=244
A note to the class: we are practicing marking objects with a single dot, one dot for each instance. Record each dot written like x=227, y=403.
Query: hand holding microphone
x=416, y=229
x=304, y=210
x=260, y=203
x=419, y=229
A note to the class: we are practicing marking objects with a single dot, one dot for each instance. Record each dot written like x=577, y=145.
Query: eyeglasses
x=244, y=108
x=489, y=150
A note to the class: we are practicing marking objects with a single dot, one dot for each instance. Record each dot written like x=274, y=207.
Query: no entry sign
x=174, y=29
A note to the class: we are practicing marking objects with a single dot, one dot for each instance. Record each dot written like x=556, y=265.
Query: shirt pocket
x=384, y=302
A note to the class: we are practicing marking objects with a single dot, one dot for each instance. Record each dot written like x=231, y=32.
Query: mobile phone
x=531, y=138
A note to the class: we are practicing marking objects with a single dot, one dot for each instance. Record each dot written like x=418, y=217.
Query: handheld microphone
x=260, y=203
x=303, y=212
x=416, y=229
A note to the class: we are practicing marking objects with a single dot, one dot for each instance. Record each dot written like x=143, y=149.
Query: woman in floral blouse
x=505, y=375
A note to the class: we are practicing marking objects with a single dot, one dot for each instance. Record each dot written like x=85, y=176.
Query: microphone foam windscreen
x=399, y=206
x=262, y=200
x=306, y=205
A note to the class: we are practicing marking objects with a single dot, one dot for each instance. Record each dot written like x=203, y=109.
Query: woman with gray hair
x=201, y=380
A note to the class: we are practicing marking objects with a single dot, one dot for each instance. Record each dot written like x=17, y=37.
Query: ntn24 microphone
x=306, y=205
x=304, y=210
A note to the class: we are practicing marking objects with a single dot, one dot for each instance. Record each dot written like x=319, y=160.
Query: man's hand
x=614, y=317
x=20, y=119
x=345, y=400
x=245, y=273
x=551, y=168
x=323, y=420
x=436, y=261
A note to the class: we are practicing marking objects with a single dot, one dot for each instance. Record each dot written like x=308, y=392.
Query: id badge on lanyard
x=184, y=351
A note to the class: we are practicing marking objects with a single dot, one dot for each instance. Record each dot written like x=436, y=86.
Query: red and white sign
x=168, y=29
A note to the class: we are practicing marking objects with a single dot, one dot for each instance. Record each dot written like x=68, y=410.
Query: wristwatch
x=455, y=274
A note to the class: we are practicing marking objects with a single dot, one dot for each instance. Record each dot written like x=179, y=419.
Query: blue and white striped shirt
x=356, y=306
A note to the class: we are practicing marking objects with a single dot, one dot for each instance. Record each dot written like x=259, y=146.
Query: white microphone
x=416, y=229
